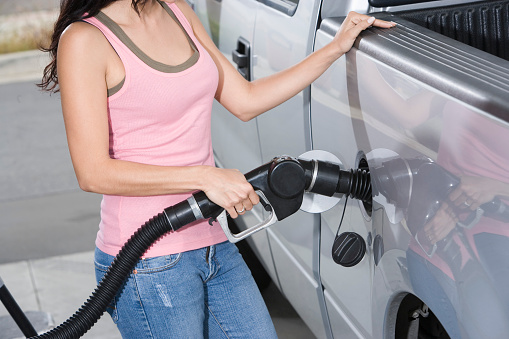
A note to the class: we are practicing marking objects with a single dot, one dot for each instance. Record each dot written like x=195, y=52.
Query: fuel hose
x=171, y=219
x=282, y=180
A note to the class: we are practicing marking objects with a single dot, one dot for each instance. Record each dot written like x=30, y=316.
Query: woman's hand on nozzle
x=229, y=189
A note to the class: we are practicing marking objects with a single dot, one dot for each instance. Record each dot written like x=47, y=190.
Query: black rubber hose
x=326, y=178
x=78, y=324
x=355, y=183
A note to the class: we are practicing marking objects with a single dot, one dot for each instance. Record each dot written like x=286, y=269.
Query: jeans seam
x=217, y=321
x=213, y=269
x=141, y=305
x=207, y=254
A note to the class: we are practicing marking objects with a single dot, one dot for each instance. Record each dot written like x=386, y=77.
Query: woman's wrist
x=202, y=174
x=332, y=52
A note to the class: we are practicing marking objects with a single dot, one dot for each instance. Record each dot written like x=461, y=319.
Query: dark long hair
x=72, y=11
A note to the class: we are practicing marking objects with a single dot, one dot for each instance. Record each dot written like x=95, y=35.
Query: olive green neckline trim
x=159, y=66
x=116, y=88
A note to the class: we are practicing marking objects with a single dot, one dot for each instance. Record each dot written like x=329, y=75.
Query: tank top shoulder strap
x=181, y=18
x=114, y=41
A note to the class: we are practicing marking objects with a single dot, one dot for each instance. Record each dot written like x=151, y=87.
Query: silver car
x=424, y=108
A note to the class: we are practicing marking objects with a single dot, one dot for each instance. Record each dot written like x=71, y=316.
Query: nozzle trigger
x=215, y=216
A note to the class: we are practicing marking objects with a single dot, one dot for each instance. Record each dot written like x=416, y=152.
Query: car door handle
x=242, y=60
x=242, y=57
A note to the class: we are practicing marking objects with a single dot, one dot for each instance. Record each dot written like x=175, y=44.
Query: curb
x=17, y=28
x=22, y=66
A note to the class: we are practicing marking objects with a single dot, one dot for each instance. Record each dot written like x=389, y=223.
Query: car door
x=408, y=96
x=231, y=24
x=336, y=129
x=284, y=36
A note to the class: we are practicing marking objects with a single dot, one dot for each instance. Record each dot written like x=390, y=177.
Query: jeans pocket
x=157, y=264
x=100, y=271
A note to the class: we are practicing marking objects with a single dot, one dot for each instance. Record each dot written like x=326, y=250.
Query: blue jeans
x=494, y=256
x=467, y=307
x=436, y=289
x=204, y=293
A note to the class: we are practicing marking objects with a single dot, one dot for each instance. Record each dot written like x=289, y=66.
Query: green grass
x=25, y=41
x=26, y=31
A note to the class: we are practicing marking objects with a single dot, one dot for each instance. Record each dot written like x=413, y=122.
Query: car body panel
x=363, y=104
x=227, y=21
x=279, y=43
x=401, y=97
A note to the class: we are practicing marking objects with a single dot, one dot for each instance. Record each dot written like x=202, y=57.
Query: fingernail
x=371, y=20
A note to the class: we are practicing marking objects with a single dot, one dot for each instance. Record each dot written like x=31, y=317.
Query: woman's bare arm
x=247, y=100
x=82, y=78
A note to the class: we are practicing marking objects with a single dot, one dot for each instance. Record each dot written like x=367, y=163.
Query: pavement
x=47, y=223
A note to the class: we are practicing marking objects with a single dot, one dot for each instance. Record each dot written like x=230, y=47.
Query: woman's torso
x=158, y=114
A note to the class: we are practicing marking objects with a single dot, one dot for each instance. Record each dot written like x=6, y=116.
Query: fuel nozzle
x=282, y=184
x=328, y=178
x=289, y=177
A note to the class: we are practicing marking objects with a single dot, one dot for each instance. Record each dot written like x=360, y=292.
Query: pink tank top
x=158, y=115
x=474, y=146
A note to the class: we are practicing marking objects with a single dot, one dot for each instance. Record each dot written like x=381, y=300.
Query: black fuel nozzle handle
x=281, y=181
x=496, y=209
x=284, y=179
x=281, y=184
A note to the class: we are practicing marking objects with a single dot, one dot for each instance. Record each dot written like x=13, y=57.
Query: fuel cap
x=348, y=249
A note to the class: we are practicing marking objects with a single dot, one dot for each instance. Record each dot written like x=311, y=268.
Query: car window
x=286, y=6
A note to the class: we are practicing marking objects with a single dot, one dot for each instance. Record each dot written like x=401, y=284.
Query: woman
x=137, y=81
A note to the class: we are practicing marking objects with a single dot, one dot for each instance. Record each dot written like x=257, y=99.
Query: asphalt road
x=42, y=210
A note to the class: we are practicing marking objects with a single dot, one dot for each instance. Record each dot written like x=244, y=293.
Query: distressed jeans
x=204, y=293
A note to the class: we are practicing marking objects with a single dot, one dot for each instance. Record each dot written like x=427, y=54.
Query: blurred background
x=24, y=25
